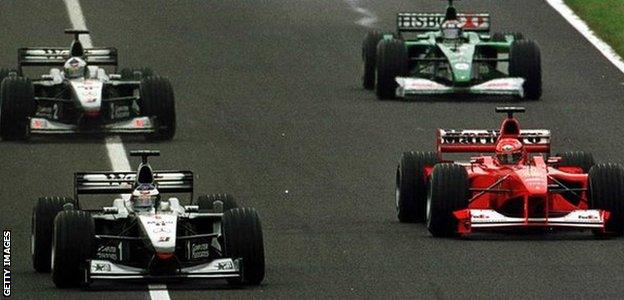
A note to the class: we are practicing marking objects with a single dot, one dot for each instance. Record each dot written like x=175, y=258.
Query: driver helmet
x=509, y=151
x=75, y=67
x=145, y=197
x=451, y=29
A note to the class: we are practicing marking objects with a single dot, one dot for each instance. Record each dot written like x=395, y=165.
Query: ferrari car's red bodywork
x=564, y=191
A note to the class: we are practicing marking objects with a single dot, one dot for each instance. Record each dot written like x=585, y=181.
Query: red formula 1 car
x=518, y=186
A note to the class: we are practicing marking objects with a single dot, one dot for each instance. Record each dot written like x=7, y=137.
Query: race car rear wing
x=56, y=56
x=419, y=22
x=484, y=141
x=95, y=183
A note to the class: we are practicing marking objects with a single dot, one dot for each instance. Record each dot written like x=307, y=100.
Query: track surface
x=269, y=99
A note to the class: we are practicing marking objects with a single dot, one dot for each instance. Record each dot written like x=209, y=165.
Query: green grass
x=605, y=17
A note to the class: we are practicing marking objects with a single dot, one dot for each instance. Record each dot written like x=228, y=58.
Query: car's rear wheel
x=206, y=202
x=502, y=36
x=579, y=159
x=369, y=55
x=411, y=185
x=157, y=100
x=135, y=73
x=606, y=191
x=74, y=233
x=42, y=230
x=17, y=104
x=392, y=61
x=525, y=62
x=242, y=234
x=448, y=192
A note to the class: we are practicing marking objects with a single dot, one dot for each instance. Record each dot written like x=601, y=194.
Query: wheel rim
x=397, y=191
x=32, y=235
x=428, y=207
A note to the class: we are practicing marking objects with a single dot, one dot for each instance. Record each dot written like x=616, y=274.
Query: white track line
x=369, y=18
x=114, y=145
x=582, y=27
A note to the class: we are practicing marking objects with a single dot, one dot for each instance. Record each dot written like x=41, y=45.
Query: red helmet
x=509, y=151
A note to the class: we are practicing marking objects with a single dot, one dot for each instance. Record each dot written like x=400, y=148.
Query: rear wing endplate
x=96, y=183
x=484, y=141
x=56, y=56
x=418, y=22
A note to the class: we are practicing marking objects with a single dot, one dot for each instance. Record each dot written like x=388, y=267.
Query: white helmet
x=75, y=67
x=145, y=197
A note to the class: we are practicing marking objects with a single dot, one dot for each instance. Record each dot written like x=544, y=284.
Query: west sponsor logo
x=6, y=263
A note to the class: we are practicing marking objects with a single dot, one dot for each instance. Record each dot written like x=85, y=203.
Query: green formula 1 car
x=450, y=54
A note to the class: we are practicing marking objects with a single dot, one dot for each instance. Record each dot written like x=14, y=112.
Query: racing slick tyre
x=4, y=73
x=157, y=100
x=42, y=230
x=206, y=202
x=525, y=62
x=135, y=73
x=17, y=97
x=74, y=233
x=448, y=192
x=392, y=61
x=580, y=159
x=242, y=234
x=502, y=36
x=369, y=55
x=606, y=191
x=411, y=185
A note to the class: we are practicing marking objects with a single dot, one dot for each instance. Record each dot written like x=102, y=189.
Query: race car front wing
x=134, y=125
x=410, y=87
x=479, y=219
x=217, y=269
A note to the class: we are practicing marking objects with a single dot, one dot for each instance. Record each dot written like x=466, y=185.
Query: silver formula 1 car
x=143, y=235
x=79, y=96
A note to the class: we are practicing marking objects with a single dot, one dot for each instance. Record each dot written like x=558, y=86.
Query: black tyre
x=525, y=62
x=369, y=55
x=392, y=61
x=74, y=233
x=135, y=73
x=242, y=234
x=502, y=36
x=448, y=192
x=579, y=159
x=4, y=73
x=606, y=191
x=157, y=100
x=206, y=202
x=411, y=185
x=42, y=230
x=17, y=97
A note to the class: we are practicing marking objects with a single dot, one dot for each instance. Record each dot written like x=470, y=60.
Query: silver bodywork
x=158, y=229
x=87, y=97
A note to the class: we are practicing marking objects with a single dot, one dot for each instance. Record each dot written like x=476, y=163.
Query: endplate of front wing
x=216, y=269
x=474, y=219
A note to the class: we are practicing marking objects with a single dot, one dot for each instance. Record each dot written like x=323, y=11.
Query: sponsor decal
x=462, y=66
x=200, y=251
x=587, y=217
x=108, y=252
x=6, y=263
x=101, y=267
x=161, y=229
x=225, y=265
x=163, y=239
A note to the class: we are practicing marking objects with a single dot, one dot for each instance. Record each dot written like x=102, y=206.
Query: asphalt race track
x=270, y=108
